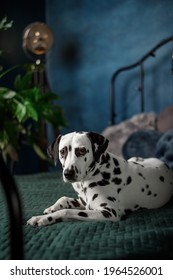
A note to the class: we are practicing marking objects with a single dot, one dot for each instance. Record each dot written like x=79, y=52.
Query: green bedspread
x=145, y=234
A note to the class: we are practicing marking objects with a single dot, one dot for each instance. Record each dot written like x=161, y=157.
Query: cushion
x=165, y=119
x=164, y=148
x=141, y=144
x=118, y=134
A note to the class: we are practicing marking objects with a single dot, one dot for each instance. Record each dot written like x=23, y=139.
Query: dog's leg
x=64, y=203
x=83, y=215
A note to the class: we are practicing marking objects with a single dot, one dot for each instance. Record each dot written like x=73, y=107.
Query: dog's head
x=77, y=152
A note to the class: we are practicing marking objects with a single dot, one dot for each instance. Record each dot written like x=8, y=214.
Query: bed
x=144, y=234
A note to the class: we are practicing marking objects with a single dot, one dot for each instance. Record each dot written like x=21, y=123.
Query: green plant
x=23, y=112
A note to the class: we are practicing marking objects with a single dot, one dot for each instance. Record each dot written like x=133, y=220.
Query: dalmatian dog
x=108, y=187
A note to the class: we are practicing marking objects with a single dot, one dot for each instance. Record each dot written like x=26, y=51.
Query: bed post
x=15, y=212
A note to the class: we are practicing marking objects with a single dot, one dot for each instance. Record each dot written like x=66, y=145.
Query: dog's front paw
x=38, y=221
x=50, y=210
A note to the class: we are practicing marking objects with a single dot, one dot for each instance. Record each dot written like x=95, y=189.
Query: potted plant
x=23, y=112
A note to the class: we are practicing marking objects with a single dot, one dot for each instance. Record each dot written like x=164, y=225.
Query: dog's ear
x=99, y=144
x=53, y=149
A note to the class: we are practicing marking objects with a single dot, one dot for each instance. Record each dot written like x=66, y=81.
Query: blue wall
x=95, y=37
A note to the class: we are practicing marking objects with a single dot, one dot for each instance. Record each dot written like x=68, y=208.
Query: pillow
x=165, y=119
x=164, y=148
x=118, y=134
x=141, y=144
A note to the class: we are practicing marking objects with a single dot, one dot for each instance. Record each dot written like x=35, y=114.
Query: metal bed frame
x=15, y=212
x=140, y=64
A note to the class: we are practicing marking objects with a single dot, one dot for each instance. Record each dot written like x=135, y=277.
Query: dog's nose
x=69, y=174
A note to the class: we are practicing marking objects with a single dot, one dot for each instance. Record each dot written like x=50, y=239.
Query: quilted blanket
x=145, y=234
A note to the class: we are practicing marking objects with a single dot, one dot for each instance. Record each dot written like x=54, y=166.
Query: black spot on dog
x=103, y=204
x=140, y=174
x=107, y=208
x=103, y=183
x=162, y=179
x=134, y=162
x=83, y=201
x=114, y=212
x=115, y=161
x=70, y=148
x=64, y=152
x=141, y=165
x=136, y=206
x=75, y=203
x=147, y=186
x=85, y=159
x=95, y=196
x=61, y=205
x=105, y=159
x=118, y=190
x=69, y=206
x=77, y=171
x=166, y=165
x=129, y=180
x=117, y=171
x=106, y=175
x=155, y=194
x=111, y=198
x=142, y=190
x=149, y=193
x=50, y=219
x=106, y=214
x=117, y=181
x=85, y=190
x=90, y=208
x=92, y=185
x=97, y=171
x=108, y=165
x=83, y=214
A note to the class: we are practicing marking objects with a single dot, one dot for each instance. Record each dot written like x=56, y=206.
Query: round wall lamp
x=37, y=40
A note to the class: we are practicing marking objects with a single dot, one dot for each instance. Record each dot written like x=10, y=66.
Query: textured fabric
x=141, y=143
x=118, y=134
x=144, y=234
x=164, y=148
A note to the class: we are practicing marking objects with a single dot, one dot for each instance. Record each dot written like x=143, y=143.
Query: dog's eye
x=80, y=151
x=63, y=152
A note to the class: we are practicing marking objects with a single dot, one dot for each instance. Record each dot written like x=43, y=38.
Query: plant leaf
x=8, y=71
x=20, y=111
x=9, y=94
x=39, y=152
x=4, y=24
x=31, y=111
x=23, y=82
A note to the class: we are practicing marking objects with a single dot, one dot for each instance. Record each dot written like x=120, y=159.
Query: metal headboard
x=139, y=64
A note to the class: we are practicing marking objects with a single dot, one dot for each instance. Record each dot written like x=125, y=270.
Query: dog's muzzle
x=69, y=174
